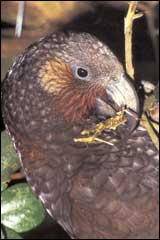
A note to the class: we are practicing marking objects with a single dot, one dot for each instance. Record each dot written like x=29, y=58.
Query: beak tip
x=132, y=122
x=122, y=94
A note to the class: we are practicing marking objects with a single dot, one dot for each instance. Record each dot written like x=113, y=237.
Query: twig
x=20, y=18
x=150, y=130
x=128, y=25
x=17, y=176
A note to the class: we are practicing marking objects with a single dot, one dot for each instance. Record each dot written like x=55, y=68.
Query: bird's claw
x=111, y=123
x=91, y=139
x=96, y=130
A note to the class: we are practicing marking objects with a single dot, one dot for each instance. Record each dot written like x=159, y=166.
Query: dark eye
x=81, y=72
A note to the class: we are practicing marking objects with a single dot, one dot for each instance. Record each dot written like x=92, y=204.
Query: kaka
x=59, y=86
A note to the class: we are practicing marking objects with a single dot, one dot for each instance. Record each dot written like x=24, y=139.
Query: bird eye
x=82, y=73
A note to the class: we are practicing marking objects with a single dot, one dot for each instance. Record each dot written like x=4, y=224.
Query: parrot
x=96, y=183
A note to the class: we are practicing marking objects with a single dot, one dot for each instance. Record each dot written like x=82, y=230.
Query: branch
x=146, y=123
x=128, y=25
x=128, y=29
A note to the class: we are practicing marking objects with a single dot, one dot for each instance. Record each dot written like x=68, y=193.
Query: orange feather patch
x=73, y=100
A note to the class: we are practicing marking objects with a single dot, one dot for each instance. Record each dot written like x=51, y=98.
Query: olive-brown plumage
x=56, y=88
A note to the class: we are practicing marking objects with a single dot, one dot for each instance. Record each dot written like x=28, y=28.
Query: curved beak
x=121, y=94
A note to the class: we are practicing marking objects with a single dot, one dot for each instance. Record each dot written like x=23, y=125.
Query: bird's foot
x=111, y=123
